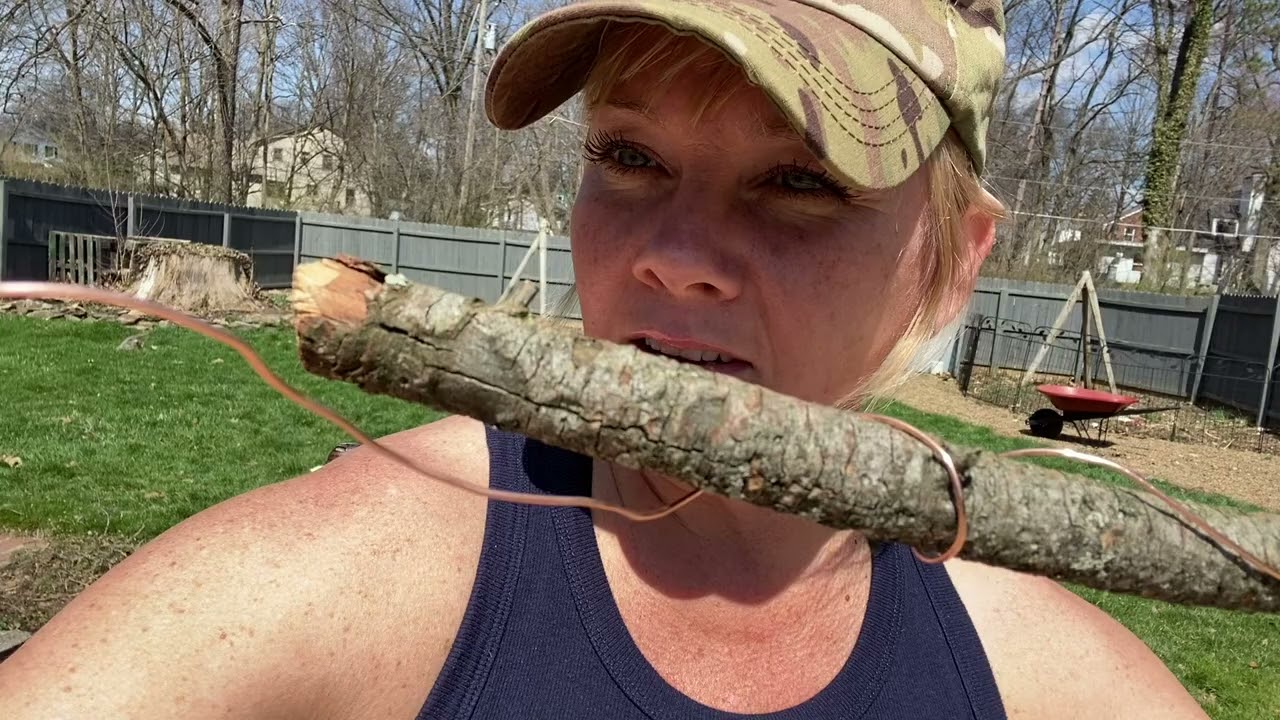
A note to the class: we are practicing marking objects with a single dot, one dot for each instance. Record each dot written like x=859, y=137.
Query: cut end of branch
x=334, y=290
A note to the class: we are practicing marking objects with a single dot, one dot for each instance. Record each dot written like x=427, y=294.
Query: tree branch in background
x=739, y=440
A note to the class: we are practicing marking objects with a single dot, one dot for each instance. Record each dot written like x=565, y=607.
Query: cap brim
x=860, y=108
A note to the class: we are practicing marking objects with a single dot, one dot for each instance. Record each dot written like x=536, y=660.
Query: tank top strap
x=470, y=660
x=962, y=639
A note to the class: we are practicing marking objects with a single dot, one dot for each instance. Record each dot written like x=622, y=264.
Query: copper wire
x=83, y=293
x=24, y=290
x=1185, y=513
x=957, y=485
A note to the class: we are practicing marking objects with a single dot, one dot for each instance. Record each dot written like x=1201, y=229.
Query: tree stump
x=193, y=277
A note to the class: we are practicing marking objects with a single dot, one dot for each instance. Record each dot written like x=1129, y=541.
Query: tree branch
x=743, y=441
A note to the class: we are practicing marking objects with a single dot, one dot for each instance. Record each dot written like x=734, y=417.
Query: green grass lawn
x=132, y=442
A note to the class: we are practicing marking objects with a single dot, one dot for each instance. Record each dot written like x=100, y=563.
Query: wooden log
x=740, y=440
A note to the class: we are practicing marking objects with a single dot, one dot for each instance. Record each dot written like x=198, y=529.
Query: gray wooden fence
x=1215, y=348
x=474, y=262
x=1218, y=348
x=29, y=211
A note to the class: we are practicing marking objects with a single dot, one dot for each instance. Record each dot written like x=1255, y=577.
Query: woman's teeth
x=699, y=356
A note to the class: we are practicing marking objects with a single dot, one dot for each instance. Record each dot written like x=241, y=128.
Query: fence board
x=33, y=209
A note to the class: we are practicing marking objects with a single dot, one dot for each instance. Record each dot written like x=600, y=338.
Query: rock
x=13, y=544
x=47, y=314
x=77, y=310
x=133, y=342
x=74, y=318
x=11, y=640
x=8, y=306
x=129, y=318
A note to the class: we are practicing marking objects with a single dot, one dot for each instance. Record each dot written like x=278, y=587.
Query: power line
x=1133, y=135
x=1096, y=221
x=1074, y=186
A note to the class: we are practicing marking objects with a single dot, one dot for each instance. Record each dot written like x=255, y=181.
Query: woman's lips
x=705, y=356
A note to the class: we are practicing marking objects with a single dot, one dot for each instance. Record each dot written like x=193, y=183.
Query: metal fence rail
x=1156, y=385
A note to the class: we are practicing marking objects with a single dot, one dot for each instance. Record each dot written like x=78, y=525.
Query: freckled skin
x=812, y=289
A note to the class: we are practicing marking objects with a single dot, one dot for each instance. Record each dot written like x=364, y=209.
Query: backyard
x=102, y=449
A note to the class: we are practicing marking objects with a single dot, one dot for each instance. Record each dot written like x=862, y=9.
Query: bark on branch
x=726, y=436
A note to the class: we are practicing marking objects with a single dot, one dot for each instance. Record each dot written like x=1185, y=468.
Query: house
x=302, y=168
x=1215, y=252
x=33, y=147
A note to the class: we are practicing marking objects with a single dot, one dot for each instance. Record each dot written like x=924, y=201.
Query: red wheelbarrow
x=1078, y=406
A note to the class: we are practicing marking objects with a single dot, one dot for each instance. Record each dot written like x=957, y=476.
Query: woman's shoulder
x=1055, y=655
x=339, y=589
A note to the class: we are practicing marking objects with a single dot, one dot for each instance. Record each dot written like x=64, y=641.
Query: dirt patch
x=40, y=579
x=1249, y=476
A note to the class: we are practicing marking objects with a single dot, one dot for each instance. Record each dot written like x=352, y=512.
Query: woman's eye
x=631, y=157
x=800, y=181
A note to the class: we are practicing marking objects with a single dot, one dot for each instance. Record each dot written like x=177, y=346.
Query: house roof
x=28, y=135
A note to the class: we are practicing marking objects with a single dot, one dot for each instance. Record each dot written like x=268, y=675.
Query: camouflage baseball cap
x=872, y=85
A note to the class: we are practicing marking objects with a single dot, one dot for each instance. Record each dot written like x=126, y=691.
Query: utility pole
x=482, y=22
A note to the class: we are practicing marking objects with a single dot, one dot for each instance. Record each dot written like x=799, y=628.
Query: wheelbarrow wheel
x=1045, y=423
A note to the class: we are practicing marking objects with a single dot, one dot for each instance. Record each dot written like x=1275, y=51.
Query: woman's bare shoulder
x=289, y=600
x=1055, y=655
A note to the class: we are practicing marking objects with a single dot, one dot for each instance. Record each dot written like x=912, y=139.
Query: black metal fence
x=992, y=368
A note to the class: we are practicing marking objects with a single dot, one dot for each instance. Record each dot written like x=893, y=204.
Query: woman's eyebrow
x=772, y=129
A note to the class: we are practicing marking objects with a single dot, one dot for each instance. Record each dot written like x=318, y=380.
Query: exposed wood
x=194, y=277
x=521, y=296
x=739, y=440
x=1087, y=375
x=1102, y=334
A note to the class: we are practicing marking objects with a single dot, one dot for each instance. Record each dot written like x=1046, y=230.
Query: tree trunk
x=193, y=277
x=729, y=437
x=1166, y=143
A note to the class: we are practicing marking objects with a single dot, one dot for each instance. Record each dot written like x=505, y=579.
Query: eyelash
x=600, y=147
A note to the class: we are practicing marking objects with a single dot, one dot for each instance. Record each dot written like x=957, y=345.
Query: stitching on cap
x=835, y=106
x=758, y=26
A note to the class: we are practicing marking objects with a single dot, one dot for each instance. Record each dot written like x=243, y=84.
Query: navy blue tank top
x=543, y=638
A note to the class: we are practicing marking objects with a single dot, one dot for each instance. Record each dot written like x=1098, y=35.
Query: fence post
x=1211, y=318
x=130, y=228
x=4, y=225
x=1002, y=304
x=395, y=256
x=1271, y=364
x=226, y=229
x=543, y=231
x=502, y=262
x=297, y=240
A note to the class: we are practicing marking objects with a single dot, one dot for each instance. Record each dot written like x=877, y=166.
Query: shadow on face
x=705, y=227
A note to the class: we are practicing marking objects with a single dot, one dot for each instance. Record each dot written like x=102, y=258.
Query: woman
x=806, y=225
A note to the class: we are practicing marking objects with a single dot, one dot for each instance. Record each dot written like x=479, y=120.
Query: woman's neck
x=716, y=545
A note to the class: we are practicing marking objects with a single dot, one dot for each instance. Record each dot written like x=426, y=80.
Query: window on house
x=277, y=155
x=30, y=149
x=1131, y=234
x=50, y=152
x=311, y=189
x=326, y=162
x=275, y=190
x=351, y=196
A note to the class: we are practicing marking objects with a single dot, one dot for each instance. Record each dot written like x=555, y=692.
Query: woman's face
x=725, y=238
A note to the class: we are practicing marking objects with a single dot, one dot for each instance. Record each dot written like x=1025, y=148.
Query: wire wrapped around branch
x=739, y=440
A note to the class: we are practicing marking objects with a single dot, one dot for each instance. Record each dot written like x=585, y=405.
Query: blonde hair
x=954, y=186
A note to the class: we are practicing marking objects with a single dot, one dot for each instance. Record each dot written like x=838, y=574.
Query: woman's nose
x=689, y=260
